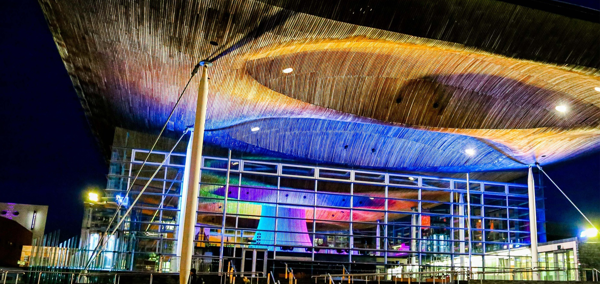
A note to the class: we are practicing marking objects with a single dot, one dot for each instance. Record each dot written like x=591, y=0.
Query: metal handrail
x=444, y=274
x=290, y=272
x=330, y=279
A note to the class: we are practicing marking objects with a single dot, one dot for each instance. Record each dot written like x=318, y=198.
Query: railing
x=71, y=277
x=271, y=277
x=231, y=271
x=595, y=275
x=330, y=279
x=289, y=274
x=437, y=276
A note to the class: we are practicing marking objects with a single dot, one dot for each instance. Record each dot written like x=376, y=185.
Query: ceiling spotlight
x=371, y=198
x=597, y=89
x=287, y=70
x=470, y=152
x=411, y=178
x=561, y=108
x=255, y=128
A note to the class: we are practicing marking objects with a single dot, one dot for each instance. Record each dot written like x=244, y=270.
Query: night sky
x=49, y=155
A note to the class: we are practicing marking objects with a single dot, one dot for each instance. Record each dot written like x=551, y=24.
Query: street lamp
x=93, y=196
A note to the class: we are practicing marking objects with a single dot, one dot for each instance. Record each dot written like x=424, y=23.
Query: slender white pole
x=469, y=226
x=191, y=199
x=533, y=224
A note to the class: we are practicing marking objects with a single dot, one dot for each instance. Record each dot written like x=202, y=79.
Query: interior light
x=371, y=198
x=255, y=128
x=411, y=178
x=597, y=89
x=287, y=70
x=561, y=108
x=470, y=151
x=589, y=233
x=92, y=196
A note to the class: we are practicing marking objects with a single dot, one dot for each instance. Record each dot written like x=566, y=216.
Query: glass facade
x=313, y=213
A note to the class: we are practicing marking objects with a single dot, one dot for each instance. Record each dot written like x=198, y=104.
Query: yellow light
x=92, y=196
x=589, y=233
x=597, y=89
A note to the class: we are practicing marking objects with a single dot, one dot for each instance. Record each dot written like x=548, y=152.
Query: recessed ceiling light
x=597, y=89
x=287, y=70
x=255, y=128
x=561, y=108
x=470, y=151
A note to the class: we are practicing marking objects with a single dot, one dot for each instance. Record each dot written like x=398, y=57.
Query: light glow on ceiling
x=255, y=128
x=287, y=70
x=470, y=152
x=561, y=108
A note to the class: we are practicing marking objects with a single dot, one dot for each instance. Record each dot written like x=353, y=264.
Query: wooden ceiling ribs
x=417, y=80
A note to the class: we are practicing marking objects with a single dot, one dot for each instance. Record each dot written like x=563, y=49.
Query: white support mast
x=191, y=198
x=533, y=224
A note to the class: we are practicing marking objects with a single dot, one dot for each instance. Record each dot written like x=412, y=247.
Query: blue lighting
x=122, y=201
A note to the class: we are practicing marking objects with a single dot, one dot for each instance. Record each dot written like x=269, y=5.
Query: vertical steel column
x=385, y=221
x=420, y=222
x=276, y=213
x=469, y=224
x=314, y=229
x=461, y=226
x=189, y=221
x=182, y=202
x=378, y=238
x=351, y=227
x=223, y=222
x=451, y=240
x=237, y=210
x=533, y=224
x=483, y=232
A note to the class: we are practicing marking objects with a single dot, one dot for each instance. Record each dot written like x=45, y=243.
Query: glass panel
x=297, y=171
x=369, y=177
x=334, y=174
x=404, y=180
x=260, y=167
x=437, y=183
x=220, y=164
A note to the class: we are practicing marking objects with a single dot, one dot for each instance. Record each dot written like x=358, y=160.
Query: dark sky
x=49, y=156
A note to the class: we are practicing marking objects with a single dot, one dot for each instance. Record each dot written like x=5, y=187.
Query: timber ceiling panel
x=405, y=85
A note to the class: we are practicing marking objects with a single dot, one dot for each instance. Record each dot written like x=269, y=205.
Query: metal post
x=351, y=226
x=469, y=226
x=223, y=223
x=533, y=224
x=189, y=221
x=314, y=222
x=385, y=221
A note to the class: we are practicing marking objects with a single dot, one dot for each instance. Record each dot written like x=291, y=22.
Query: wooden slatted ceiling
x=128, y=61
